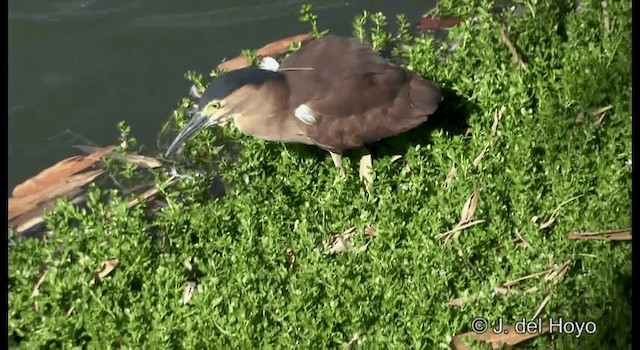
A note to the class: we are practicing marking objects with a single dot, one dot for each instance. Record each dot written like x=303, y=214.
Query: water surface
x=78, y=67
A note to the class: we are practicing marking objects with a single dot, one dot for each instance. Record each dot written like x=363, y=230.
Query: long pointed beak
x=197, y=122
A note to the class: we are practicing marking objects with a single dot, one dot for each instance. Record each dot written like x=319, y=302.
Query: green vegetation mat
x=268, y=261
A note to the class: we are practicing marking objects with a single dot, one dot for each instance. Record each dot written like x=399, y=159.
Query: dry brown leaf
x=351, y=231
x=187, y=264
x=137, y=159
x=187, y=292
x=59, y=172
x=141, y=161
x=275, y=48
x=509, y=337
x=448, y=235
x=601, y=110
x=340, y=244
x=450, y=175
x=458, y=301
x=549, y=222
x=39, y=208
x=600, y=119
x=406, y=170
x=35, y=216
x=522, y=240
x=148, y=194
x=366, y=170
x=36, y=289
x=395, y=158
x=84, y=259
x=363, y=248
x=523, y=278
x=22, y=205
x=494, y=130
x=370, y=231
x=512, y=48
x=353, y=343
x=73, y=307
x=237, y=62
x=496, y=120
x=105, y=269
x=542, y=305
x=613, y=235
x=502, y=290
x=558, y=272
x=553, y=216
x=478, y=159
x=281, y=46
x=469, y=207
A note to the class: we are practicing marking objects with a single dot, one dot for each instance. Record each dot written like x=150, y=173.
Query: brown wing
x=323, y=63
x=356, y=96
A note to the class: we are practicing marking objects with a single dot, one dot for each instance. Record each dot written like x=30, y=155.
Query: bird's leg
x=337, y=161
x=366, y=166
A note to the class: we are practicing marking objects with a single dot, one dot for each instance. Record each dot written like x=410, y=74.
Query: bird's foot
x=366, y=166
x=337, y=161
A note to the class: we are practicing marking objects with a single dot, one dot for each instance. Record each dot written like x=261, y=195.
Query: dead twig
x=554, y=215
x=512, y=48
x=494, y=132
x=521, y=239
x=520, y=279
x=558, y=273
x=36, y=289
x=450, y=175
x=544, y=303
x=613, y=235
x=466, y=214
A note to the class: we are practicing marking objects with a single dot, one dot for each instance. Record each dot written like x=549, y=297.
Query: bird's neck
x=272, y=127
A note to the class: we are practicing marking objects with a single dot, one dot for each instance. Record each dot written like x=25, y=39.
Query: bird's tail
x=425, y=95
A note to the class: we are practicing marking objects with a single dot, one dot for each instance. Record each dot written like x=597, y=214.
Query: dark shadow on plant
x=451, y=117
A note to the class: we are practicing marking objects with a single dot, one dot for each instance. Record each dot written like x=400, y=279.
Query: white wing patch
x=305, y=114
x=269, y=63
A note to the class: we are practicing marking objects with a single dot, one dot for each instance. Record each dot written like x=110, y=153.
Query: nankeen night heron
x=335, y=93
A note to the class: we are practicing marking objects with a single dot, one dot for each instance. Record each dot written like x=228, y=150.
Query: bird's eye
x=216, y=104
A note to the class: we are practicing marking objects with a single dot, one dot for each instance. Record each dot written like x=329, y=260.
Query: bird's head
x=218, y=102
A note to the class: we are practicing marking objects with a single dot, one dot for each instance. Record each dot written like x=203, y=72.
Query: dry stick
x=542, y=305
x=494, y=130
x=601, y=110
x=459, y=228
x=558, y=272
x=613, y=235
x=36, y=289
x=536, y=274
x=70, y=310
x=554, y=215
x=478, y=159
x=522, y=239
x=512, y=49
